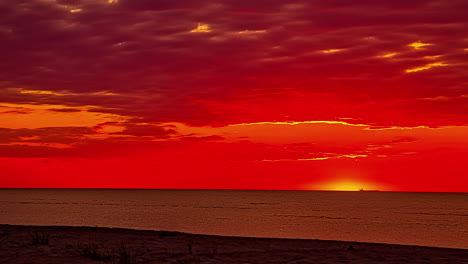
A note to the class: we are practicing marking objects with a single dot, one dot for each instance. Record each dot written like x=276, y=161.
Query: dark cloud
x=64, y=110
x=78, y=135
x=24, y=151
x=15, y=112
x=146, y=130
x=163, y=4
x=65, y=135
x=201, y=139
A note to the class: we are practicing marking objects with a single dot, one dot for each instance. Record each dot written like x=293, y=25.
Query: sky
x=210, y=94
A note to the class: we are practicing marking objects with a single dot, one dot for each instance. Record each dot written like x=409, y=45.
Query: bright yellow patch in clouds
x=44, y=92
x=388, y=55
x=104, y=93
x=40, y=92
x=75, y=10
x=338, y=156
x=418, y=45
x=35, y=116
x=427, y=66
x=292, y=123
x=328, y=51
x=432, y=57
x=330, y=156
x=201, y=28
x=112, y=1
x=251, y=31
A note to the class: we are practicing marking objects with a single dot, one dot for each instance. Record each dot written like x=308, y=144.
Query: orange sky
x=207, y=94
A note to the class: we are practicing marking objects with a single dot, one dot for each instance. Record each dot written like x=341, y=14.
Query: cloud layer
x=168, y=79
x=144, y=57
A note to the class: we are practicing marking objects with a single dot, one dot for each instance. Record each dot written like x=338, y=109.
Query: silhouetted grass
x=93, y=251
x=126, y=255
x=190, y=246
x=192, y=260
x=39, y=238
x=122, y=255
x=213, y=251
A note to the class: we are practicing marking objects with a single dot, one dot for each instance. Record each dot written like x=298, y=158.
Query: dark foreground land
x=57, y=244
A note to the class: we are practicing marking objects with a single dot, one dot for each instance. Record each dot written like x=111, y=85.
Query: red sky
x=259, y=94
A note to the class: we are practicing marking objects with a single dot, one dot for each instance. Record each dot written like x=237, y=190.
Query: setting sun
x=346, y=186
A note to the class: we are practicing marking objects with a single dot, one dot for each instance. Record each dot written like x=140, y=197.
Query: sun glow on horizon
x=346, y=185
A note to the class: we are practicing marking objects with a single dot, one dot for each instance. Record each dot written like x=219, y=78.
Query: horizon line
x=196, y=189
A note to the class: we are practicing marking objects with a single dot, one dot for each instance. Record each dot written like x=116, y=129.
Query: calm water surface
x=429, y=219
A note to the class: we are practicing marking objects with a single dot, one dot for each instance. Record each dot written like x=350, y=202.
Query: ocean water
x=427, y=219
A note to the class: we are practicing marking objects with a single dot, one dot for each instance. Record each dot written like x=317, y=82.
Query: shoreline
x=70, y=244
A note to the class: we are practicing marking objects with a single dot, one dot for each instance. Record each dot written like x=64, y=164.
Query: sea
x=425, y=219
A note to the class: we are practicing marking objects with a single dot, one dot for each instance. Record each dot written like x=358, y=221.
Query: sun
x=344, y=185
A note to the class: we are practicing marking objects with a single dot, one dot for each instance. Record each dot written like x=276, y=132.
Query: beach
x=64, y=244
